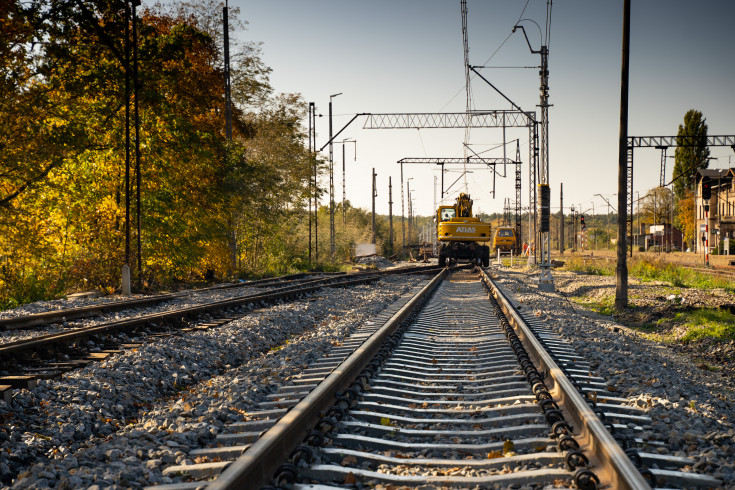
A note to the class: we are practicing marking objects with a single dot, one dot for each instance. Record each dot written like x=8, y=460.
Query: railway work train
x=461, y=235
x=505, y=238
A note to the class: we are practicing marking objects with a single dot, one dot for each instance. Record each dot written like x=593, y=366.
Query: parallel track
x=65, y=314
x=47, y=356
x=292, y=280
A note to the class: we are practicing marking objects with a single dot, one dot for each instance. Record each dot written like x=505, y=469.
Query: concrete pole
x=374, y=195
x=561, y=218
x=390, y=213
x=621, y=271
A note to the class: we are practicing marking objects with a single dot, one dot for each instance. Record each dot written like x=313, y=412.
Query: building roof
x=714, y=173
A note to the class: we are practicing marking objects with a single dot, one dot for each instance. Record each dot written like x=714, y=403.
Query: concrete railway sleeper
x=451, y=399
x=479, y=423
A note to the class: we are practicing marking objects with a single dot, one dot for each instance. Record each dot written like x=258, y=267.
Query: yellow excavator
x=461, y=235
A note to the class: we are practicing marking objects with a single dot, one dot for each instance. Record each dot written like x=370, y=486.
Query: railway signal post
x=706, y=196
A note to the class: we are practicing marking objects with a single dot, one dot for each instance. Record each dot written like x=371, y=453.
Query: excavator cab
x=447, y=213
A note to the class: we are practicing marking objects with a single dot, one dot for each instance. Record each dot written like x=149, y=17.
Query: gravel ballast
x=693, y=409
x=120, y=422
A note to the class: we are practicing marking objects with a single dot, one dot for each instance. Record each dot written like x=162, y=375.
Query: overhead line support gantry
x=663, y=143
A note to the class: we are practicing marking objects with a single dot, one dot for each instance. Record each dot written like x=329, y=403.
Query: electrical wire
x=467, y=81
x=488, y=60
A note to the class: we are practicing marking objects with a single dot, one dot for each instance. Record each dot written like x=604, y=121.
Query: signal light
x=584, y=227
x=706, y=188
x=545, y=194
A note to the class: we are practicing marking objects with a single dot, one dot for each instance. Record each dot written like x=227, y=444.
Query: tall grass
x=657, y=270
x=647, y=269
x=591, y=267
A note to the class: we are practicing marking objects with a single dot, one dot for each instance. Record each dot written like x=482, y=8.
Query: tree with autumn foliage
x=691, y=155
x=62, y=169
x=685, y=217
x=657, y=206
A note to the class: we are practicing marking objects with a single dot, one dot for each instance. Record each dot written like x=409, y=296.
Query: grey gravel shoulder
x=693, y=410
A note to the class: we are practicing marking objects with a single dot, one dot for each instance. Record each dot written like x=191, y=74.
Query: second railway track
x=47, y=356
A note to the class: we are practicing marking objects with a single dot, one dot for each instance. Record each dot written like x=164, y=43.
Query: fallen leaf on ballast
x=348, y=460
x=508, y=446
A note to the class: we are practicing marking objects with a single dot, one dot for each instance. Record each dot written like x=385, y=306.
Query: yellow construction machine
x=461, y=235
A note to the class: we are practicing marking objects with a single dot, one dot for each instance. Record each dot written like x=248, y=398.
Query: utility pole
x=706, y=234
x=331, y=179
x=228, y=125
x=312, y=107
x=136, y=83
x=344, y=174
x=572, y=231
x=403, y=218
x=390, y=213
x=434, y=234
x=594, y=235
x=545, y=279
x=408, y=195
x=125, y=287
x=561, y=218
x=228, y=106
x=311, y=149
x=375, y=194
x=621, y=271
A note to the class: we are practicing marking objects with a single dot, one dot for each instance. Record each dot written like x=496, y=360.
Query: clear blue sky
x=407, y=56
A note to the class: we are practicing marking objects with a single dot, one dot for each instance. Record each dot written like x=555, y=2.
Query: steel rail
x=47, y=317
x=9, y=349
x=257, y=465
x=615, y=469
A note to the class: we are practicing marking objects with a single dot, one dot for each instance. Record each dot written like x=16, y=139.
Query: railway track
x=61, y=315
x=47, y=318
x=465, y=393
x=24, y=362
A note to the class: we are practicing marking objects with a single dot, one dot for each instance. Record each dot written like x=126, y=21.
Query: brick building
x=721, y=207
